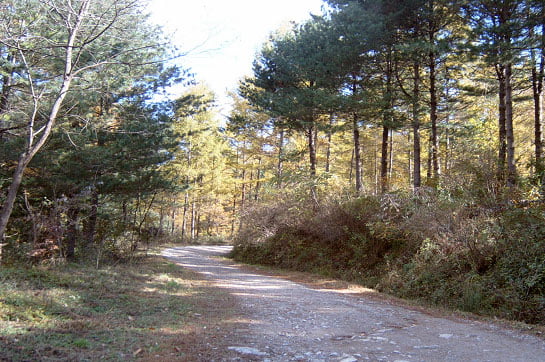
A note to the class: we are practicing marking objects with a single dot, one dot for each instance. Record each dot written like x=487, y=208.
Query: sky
x=222, y=37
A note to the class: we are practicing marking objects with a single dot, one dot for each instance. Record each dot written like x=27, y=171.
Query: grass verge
x=150, y=309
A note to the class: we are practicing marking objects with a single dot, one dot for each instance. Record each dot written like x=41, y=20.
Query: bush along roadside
x=489, y=261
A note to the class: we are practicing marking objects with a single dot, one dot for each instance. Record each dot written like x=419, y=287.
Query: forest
x=397, y=144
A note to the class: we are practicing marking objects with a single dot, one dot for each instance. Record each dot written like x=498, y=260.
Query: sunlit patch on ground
x=148, y=309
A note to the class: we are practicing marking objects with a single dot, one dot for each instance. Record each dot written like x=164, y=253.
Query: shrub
x=441, y=250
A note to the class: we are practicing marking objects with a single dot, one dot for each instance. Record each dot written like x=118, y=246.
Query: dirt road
x=286, y=321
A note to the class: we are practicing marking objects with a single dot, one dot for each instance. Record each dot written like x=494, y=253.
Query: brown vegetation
x=426, y=247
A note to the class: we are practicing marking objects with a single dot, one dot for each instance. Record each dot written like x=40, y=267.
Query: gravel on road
x=280, y=320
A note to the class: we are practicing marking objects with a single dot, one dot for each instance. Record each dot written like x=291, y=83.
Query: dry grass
x=432, y=249
x=148, y=310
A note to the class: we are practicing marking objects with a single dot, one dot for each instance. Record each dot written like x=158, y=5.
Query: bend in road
x=286, y=321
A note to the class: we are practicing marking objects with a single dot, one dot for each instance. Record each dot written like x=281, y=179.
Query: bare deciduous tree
x=52, y=44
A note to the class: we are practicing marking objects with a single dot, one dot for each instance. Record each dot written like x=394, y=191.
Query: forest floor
x=256, y=315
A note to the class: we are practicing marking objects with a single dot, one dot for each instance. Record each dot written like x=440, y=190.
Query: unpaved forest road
x=287, y=321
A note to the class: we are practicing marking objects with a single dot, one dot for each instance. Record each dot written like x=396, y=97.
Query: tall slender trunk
x=509, y=132
x=357, y=153
x=125, y=217
x=409, y=159
x=502, y=146
x=537, y=90
x=315, y=139
x=384, y=160
x=387, y=122
x=234, y=214
x=258, y=179
x=161, y=218
x=538, y=139
x=279, y=166
x=93, y=218
x=447, y=154
x=436, y=170
x=391, y=155
x=328, y=151
x=312, y=149
x=184, y=215
x=541, y=101
x=136, y=211
x=351, y=173
x=429, y=171
x=417, y=176
x=193, y=219
x=243, y=191
x=375, y=166
x=250, y=184
x=173, y=221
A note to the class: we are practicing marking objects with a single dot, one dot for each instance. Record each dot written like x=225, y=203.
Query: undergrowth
x=480, y=258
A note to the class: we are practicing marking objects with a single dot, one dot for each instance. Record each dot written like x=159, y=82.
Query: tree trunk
x=409, y=159
x=146, y=213
x=502, y=147
x=447, y=154
x=71, y=232
x=391, y=155
x=173, y=221
x=351, y=173
x=234, y=213
x=375, y=166
x=136, y=211
x=357, y=153
x=161, y=219
x=184, y=215
x=328, y=151
x=32, y=148
x=198, y=225
x=7, y=207
x=312, y=149
x=193, y=220
x=429, y=171
x=417, y=176
x=537, y=90
x=541, y=104
x=280, y=159
x=387, y=122
x=250, y=184
x=243, y=190
x=258, y=180
x=243, y=184
x=92, y=220
x=125, y=217
x=509, y=132
x=384, y=160
x=436, y=170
